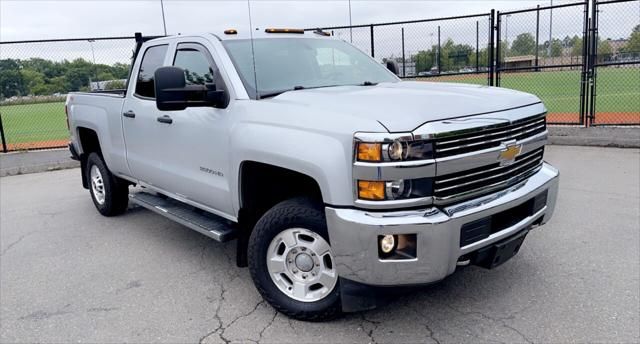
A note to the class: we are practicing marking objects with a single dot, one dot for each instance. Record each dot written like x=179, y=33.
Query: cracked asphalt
x=68, y=274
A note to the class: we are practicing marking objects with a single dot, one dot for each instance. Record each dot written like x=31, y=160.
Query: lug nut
x=304, y=248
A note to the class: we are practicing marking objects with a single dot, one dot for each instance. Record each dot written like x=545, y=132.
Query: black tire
x=293, y=213
x=116, y=190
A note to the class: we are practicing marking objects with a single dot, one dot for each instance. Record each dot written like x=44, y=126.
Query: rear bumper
x=354, y=233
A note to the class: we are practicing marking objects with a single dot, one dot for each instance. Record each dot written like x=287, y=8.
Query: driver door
x=194, y=141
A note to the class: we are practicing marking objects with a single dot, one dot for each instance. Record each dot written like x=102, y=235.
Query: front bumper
x=353, y=233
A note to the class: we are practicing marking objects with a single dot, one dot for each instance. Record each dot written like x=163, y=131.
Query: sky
x=31, y=19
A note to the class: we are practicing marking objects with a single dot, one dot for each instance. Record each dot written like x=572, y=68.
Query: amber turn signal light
x=369, y=151
x=371, y=190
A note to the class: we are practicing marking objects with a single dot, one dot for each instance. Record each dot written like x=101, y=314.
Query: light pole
x=95, y=72
x=550, y=27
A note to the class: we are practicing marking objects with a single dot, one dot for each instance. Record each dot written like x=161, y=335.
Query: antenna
x=350, y=25
x=253, y=52
x=164, y=23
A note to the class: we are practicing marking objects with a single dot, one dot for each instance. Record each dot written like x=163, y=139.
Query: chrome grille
x=489, y=137
x=486, y=179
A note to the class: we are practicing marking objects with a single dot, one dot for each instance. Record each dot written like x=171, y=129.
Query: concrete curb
x=56, y=159
x=35, y=161
x=621, y=137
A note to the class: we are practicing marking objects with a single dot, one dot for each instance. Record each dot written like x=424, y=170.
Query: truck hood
x=404, y=106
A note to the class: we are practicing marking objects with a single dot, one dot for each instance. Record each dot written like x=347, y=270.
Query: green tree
x=119, y=70
x=604, y=49
x=556, y=48
x=11, y=80
x=576, y=46
x=633, y=45
x=424, y=60
x=115, y=85
x=58, y=85
x=524, y=44
x=34, y=81
x=105, y=76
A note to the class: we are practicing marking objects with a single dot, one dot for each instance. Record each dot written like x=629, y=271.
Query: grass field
x=617, y=93
x=618, y=101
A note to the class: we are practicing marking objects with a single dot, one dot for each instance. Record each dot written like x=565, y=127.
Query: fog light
x=387, y=243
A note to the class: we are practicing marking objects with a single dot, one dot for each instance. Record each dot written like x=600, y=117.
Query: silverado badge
x=509, y=153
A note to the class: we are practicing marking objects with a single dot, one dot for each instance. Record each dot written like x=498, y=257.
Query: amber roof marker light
x=271, y=30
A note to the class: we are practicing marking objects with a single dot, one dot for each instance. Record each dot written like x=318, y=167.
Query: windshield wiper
x=295, y=88
x=273, y=94
x=368, y=83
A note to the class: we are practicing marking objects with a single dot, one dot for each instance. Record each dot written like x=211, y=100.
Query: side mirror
x=393, y=67
x=173, y=94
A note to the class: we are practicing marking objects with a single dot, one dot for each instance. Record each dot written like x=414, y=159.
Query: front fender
x=323, y=156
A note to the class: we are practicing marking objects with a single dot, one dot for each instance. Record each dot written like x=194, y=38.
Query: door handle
x=165, y=119
x=129, y=114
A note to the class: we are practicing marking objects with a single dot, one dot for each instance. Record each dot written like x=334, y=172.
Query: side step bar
x=208, y=224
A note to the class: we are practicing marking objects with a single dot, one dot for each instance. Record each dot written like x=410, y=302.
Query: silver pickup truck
x=334, y=176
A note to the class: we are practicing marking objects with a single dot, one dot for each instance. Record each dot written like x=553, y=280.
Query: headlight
x=394, y=151
x=394, y=189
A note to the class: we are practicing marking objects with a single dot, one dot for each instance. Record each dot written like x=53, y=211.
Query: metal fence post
x=584, y=76
x=438, y=56
x=499, y=43
x=404, y=61
x=537, y=37
x=592, y=63
x=477, y=45
x=372, y=44
x=4, y=139
x=491, y=46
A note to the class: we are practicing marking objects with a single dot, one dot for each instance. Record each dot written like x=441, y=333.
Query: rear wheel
x=109, y=193
x=291, y=261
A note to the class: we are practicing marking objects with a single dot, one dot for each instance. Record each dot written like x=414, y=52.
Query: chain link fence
x=541, y=51
x=35, y=77
x=615, y=89
x=453, y=49
x=583, y=61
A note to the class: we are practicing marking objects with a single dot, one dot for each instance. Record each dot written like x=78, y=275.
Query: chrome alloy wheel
x=301, y=265
x=97, y=184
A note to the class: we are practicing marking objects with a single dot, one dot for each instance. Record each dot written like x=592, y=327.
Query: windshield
x=283, y=64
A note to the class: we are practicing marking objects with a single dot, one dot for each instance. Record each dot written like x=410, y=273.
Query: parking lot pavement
x=68, y=274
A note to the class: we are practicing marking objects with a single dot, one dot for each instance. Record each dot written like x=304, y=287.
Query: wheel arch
x=263, y=185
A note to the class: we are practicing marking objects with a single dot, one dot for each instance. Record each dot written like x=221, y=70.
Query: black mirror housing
x=173, y=94
x=170, y=89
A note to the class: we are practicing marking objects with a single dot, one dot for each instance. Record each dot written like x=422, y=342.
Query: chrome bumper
x=353, y=233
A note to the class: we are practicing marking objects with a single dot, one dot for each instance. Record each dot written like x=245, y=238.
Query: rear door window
x=153, y=59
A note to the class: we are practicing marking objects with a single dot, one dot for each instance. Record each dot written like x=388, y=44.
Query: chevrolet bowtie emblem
x=509, y=153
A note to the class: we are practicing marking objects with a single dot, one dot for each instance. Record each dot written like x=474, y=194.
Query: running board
x=213, y=226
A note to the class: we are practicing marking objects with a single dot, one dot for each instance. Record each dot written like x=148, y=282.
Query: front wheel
x=291, y=261
x=109, y=193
